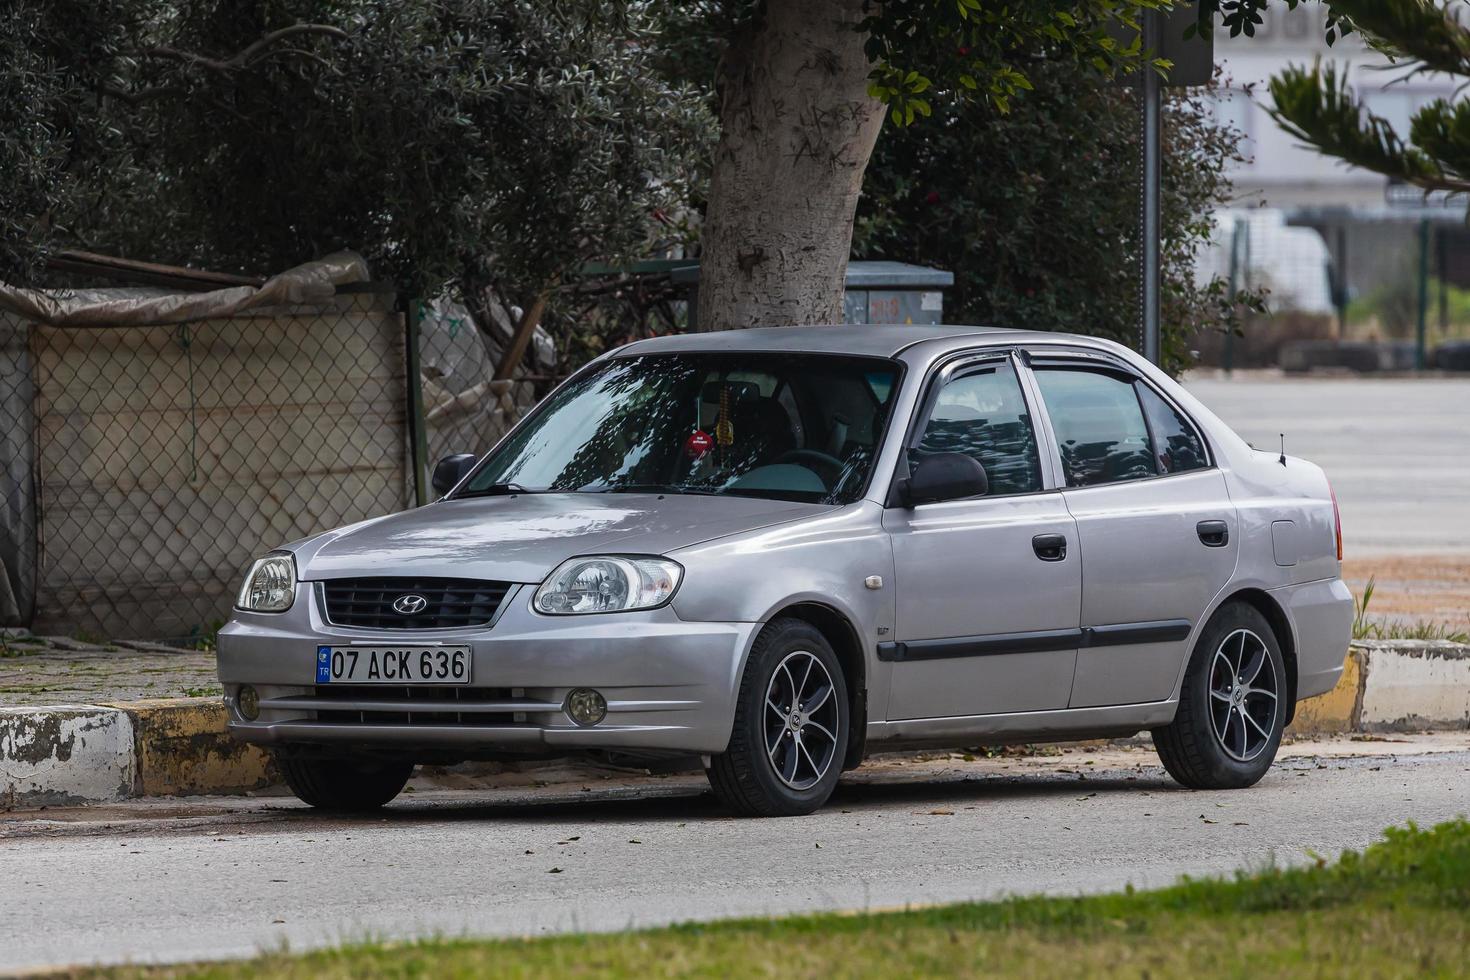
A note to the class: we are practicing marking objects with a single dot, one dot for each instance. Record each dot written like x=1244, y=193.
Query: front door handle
x=1050, y=547
x=1214, y=534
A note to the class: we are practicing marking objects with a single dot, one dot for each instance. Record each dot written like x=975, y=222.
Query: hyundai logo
x=410, y=604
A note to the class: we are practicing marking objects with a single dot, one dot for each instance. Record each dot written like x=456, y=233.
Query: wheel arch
x=1280, y=623
x=840, y=632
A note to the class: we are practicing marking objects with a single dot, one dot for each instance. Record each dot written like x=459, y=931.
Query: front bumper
x=670, y=685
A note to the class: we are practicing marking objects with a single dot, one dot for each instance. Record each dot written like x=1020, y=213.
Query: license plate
x=393, y=665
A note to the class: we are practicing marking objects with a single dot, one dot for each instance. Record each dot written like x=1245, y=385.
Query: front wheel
x=348, y=785
x=1232, y=706
x=791, y=724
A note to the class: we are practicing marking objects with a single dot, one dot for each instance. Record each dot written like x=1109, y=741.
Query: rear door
x=1155, y=526
x=988, y=588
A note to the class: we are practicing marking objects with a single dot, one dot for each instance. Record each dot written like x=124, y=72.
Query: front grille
x=403, y=699
x=449, y=602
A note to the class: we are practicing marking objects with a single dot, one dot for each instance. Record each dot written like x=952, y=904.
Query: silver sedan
x=778, y=550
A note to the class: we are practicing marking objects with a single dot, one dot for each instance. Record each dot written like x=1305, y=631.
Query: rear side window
x=1099, y=425
x=1177, y=445
x=981, y=412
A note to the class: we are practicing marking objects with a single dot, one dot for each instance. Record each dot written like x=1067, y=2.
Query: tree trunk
x=797, y=129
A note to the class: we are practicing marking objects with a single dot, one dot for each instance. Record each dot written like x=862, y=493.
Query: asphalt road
x=1397, y=450
x=196, y=879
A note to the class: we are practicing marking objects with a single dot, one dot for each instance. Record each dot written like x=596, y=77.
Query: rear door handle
x=1050, y=547
x=1214, y=534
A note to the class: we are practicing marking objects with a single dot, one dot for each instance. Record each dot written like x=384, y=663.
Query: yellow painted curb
x=1339, y=708
x=184, y=748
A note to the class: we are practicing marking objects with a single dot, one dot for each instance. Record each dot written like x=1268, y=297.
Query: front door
x=1156, y=529
x=988, y=588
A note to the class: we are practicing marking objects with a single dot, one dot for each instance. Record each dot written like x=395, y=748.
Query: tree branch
x=245, y=56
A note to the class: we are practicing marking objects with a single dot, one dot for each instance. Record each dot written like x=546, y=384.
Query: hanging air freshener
x=724, y=429
x=698, y=443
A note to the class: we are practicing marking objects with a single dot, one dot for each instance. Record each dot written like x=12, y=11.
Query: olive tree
x=803, y=90
x=444, y=139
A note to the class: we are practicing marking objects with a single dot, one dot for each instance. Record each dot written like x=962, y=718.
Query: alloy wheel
x=1243, y=695
x=801, y=720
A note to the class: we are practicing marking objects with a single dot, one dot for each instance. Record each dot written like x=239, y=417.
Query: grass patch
x=1398, y=629
x=1398, y=909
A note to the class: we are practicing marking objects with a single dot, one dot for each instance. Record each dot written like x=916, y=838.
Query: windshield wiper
x=650, y=488
x=494, y=490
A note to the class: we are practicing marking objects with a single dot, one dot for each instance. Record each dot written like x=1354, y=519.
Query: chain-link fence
x=146, y=466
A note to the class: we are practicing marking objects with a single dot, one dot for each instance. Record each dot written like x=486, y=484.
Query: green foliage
x=985, y=50
x=1035, y=210
x=443, y=139
x=1397, y=629
x=1318, y=106
x=59, y=156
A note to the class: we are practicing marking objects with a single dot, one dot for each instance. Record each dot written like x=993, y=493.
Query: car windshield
x=789, y=426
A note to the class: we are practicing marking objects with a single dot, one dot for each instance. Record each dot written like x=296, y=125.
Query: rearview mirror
x=450, y=470
x=944, y=476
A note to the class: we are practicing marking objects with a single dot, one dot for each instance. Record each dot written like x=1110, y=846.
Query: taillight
x=1336, y=522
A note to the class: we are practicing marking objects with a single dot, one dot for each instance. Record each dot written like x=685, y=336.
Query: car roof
x=874, y=340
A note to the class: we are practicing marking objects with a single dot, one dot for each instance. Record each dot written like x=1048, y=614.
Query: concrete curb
x=69, y=754
x=1393, y=686
x=86, y=753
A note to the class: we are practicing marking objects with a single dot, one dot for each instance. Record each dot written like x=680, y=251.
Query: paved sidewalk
x=41, y=670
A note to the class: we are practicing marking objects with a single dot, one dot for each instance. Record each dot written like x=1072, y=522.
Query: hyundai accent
x=778, y=550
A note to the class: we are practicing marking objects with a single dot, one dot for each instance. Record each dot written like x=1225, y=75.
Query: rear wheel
x=791, y=722
x=1232, y=706
x=348, y=785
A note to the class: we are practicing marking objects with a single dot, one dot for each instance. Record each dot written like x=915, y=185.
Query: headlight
x=270, y=586
x=608, y=584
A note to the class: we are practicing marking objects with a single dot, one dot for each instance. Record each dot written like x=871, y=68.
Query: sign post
x=1193, y=60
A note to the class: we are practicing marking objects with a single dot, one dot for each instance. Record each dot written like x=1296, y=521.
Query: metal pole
x=1152, y=100
x=1234, y=288
x=417, y=437
x=1441, y=254
x=1423, y=293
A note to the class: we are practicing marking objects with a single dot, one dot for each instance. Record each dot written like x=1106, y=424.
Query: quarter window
x=1177, y=446
x=981, y=412
x=1099, y=426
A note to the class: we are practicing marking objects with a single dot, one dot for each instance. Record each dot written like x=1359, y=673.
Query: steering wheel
x=829, y=468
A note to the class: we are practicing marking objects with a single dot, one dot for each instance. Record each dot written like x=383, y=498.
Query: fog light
x=586, y=707
x=248, y=701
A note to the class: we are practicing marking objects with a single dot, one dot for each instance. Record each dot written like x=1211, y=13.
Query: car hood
x=522, y=538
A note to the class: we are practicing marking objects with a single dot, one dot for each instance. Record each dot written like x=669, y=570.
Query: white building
x=1279, y=170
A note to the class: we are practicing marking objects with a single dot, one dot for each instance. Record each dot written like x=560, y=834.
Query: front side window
x=1098, y=424
x=789, y=426
x=981, y=412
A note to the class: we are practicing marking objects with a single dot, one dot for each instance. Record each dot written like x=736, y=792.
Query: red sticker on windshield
x=698, y=444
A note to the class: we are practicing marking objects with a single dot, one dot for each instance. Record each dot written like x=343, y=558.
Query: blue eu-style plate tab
x=324, y=665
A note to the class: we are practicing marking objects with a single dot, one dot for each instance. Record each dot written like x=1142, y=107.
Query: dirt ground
x=1415, y=587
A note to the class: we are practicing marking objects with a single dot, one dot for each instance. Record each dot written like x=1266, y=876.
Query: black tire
x=745, y=776
x=1225, y=733
x=345, y=785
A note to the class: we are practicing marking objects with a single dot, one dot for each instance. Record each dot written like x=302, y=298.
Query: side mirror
x=450, y=470
x=945, y=476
